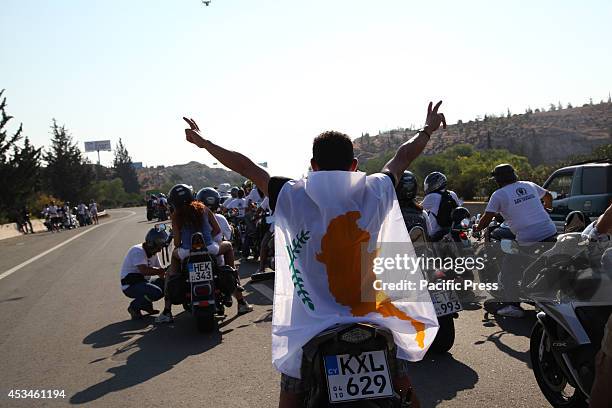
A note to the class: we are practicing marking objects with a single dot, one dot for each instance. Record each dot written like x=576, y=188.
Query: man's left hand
x=193, y=134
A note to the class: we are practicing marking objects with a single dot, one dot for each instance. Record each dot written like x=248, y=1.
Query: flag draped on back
x=329, y=227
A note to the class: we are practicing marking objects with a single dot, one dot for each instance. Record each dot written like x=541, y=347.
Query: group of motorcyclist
x=522, y=204
x=58, y=217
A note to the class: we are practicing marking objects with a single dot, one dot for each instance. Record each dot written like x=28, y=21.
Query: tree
x=124, y=169
x=19, y=166
x=569, y=105
x=67, y=174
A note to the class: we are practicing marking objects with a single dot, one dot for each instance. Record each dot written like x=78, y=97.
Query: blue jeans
x=144, y=293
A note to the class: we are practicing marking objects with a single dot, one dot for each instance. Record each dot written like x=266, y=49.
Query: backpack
x=447, y=205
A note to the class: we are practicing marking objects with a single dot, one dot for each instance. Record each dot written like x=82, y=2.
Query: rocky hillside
x=193, y=173
x=543, y=137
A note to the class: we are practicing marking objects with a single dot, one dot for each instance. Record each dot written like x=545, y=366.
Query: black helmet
x=240, y=193
x=504, y=174
x=407, y=187
x=435, y=181
x=210, y=197
x=179, y=195
x=234, y=192
x=156, y=238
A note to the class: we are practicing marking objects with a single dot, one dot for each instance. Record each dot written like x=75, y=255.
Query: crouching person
x=140, y=263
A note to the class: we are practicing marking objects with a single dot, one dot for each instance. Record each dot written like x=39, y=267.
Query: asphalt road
x=64, y=326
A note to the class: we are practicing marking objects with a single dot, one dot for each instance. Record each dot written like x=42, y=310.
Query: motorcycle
x=446, y=302
x=570, y=321
x=351, y=365
x=206, y=287
x=150, y=210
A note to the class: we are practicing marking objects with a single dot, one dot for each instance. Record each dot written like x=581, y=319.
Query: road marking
x=37, y=257
x=264, y=290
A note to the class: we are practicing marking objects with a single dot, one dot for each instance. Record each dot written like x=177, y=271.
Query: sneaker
x=164, y=318
x=511, y=311
x=244, y=308
x=150, y=311
x=135, y=313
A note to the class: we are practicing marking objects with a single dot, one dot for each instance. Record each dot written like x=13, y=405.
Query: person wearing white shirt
x=519, y=203
x=439, y=203
x=255, y=196
x=140, y=263
x=93, y=210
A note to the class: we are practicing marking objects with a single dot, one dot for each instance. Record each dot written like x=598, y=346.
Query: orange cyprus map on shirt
x=343, y=236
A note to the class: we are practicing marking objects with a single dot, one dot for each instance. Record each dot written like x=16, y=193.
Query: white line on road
x=37, y=257
x=264, y=290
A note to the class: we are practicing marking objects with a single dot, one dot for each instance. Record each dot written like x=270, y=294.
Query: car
x=585, y=187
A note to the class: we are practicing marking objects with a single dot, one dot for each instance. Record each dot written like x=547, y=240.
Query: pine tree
x=124, y=169
x=19, y=166
x=67, y=174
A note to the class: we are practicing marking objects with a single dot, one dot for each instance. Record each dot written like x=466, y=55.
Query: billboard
x=137, y=165
x=98, y=145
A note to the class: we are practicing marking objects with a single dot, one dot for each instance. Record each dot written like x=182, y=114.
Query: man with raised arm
x=322, y=221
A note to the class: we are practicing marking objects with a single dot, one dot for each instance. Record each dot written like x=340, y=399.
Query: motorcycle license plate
x=358, y=377
x=200, y=271
x=446, y=302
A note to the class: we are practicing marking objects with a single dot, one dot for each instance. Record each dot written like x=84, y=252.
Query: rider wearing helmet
x=413, y=213
x=519, y=203
x=439, y=203
x=139, y=264
x=211, y=198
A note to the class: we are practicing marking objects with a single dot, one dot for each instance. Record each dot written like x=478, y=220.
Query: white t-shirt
x=93, y=207
x=52, y=211
x=137, y=256
x=240, y=204
x=226, y=230
x=227, y=202
x=431, y=204
x=82, y=209
x=519, y=204
x=254, y=196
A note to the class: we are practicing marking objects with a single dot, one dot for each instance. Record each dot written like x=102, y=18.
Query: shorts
x=213, y=249
x=296, y=385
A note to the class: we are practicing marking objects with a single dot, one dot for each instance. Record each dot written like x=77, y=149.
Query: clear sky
x=265, y=77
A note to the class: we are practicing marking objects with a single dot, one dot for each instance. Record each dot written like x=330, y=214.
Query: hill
x=193, y=173
x=543, y=137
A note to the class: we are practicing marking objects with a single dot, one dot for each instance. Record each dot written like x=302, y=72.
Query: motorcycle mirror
x=554, y=195
x=509, y=247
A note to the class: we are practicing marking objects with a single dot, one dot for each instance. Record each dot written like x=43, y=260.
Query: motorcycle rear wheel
x=206, y=322
x=548, y=374
x=445, y=338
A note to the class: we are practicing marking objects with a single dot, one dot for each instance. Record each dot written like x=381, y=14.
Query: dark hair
x=333, y=150
x=190, y=214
